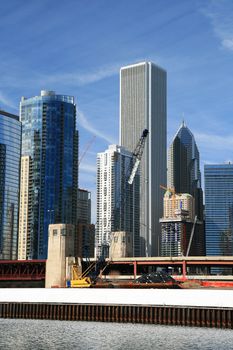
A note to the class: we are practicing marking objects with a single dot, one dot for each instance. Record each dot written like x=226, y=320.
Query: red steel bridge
x=34, y=270
x=193, y=264
x=22, y=270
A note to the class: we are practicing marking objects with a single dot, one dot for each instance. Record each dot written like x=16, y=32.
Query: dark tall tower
x=50, y=141
x=184, y=175
x=10, y=145
x=184, y=167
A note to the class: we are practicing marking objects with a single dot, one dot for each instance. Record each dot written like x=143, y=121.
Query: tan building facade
x=24, y=240
x=181, y=232
x=176, y=204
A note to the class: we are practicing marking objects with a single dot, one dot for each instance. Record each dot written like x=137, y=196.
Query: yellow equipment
x=80, y=280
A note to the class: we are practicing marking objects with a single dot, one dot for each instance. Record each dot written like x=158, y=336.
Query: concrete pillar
x=60, y=246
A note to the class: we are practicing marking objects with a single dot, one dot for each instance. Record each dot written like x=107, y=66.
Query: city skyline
x=189, y=39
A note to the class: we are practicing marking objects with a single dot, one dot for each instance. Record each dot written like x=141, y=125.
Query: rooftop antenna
x=183, y=122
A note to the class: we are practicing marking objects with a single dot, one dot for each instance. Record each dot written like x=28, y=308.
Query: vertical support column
x=135, y=269
x=184, y=271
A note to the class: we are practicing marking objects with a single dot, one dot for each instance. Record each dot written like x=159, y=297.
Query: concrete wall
x=175, y=297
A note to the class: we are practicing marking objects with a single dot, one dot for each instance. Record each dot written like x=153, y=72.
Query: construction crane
x=137, y=155
x=88, y=145
x=78, y=279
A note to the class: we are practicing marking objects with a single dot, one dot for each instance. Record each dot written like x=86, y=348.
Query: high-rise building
x=25, y=224
x=143, y=106
x=10, y=146
x=117, y=200
x=84, y=206
x=184, y=176
x=177, y=224
x=85, y=241
x=184, y=167
x=219, y=209
x=49, y=173
x=173, y=204
x=85, y=238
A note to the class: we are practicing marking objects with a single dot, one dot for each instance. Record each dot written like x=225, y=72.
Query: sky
x=76, y=47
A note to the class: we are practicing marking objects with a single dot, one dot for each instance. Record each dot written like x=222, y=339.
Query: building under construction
x=181, y=232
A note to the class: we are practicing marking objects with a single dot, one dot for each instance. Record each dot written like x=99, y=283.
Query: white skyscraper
x=143, y=106
x=117, y=201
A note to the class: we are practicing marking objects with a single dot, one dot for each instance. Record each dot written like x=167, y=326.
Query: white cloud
x=6, y=102
x=79, y=78
x=87, y=168
x=82, y=120
x=228, y=43
x=213, y=141
x=19, y=78
x=220, y=14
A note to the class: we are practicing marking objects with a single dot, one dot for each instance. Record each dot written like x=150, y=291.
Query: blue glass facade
x=219, y=209
x=50, y=138
x=10, y=145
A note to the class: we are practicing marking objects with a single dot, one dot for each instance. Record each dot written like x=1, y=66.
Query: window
x=63, y=231
x=115, y=239
x=55, y=232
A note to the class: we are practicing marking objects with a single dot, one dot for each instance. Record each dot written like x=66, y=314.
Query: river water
x=66, y=335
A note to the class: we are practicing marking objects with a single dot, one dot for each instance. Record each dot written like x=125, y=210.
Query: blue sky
x=77, y=48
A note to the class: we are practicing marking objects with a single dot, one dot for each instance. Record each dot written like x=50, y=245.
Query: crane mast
x=137, y=155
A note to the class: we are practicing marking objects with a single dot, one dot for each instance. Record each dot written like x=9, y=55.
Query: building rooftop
x=9, y=115
x=48, y=95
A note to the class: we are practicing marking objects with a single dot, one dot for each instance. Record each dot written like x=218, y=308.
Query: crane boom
x=88, y=145
x=137, y=155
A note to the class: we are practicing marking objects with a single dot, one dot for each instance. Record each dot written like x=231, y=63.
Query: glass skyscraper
x=184, y=167
x=49, y=177
x=184, y=176
x=219, y=209
x=10, y=145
